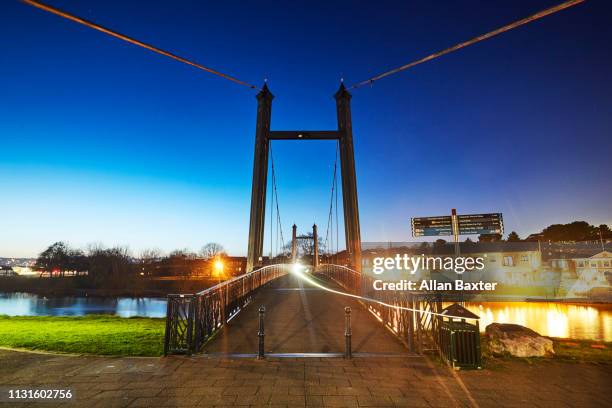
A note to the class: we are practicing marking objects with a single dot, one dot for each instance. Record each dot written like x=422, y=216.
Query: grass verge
x=583, y=350
x=92, y=334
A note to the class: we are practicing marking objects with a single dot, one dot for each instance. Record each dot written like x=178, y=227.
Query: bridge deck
x=301, y=318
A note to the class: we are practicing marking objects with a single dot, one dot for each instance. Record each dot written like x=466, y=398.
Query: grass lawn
x=583, y=350
x=92, y=334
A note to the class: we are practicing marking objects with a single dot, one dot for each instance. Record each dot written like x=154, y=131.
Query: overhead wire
x=508, y=27
x=131, y=40
x=474, y=40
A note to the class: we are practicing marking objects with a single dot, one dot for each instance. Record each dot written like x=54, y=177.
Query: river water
x=592, y=322
x=25, y=304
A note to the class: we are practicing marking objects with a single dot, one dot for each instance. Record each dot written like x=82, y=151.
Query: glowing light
x=218, y=265
x=297, y=268
x=549, y=319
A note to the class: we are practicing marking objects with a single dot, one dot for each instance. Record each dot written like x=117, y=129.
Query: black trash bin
x=460, y=338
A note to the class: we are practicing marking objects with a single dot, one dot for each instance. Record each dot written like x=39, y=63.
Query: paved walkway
x=364, y=382
x=301, y=318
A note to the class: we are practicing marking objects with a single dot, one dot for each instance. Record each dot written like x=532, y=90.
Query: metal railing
x=191, y=319
x=417, y=328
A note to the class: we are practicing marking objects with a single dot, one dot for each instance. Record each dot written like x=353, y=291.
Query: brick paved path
x=364, y=382
x=301, y=318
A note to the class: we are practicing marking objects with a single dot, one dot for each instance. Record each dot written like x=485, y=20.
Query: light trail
x=297, y=270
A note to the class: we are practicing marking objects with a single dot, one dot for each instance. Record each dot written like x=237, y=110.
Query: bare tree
x=112, y=265
x=148, y=261
x=150, y=254
x=305, y=245
x=212, y=250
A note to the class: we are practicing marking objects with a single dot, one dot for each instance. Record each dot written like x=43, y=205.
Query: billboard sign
x=432, y=226
x=468, y=224
x=471, y=224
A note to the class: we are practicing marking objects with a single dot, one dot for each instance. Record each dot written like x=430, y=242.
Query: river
x=589, y=322
x=592, y=322
x=25, y=304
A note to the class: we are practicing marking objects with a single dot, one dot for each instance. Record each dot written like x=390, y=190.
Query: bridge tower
x=263, y=136
x=315, y=244
x=294, y=243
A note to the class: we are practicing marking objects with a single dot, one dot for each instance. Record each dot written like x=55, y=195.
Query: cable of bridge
x=131, y=40
x=274, y=195
x=474, y=40
x=329, y=232
x=490, y=34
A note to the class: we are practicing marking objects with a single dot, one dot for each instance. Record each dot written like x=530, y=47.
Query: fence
x=191, y=319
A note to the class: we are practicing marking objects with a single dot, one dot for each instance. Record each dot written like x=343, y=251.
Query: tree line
x=117, y=263
x=572, y=232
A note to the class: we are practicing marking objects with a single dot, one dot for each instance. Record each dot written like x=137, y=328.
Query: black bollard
x=260, y=352
x=347, y=333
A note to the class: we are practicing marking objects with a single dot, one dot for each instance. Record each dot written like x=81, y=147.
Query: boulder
x=517, y=340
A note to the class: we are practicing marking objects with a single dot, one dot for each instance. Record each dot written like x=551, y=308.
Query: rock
x=518, y=341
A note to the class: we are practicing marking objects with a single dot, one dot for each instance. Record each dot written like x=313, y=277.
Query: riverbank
x=92, y=334
x=566, y=350
x=112, y=335
x=83, y=286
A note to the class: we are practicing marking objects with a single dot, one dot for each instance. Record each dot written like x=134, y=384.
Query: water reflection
x=25, y=304
x=550, y=319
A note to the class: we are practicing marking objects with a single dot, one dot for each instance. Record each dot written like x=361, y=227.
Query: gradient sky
x=102, y=141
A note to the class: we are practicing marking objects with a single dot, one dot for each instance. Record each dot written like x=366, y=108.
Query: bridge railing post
x=419, y=326
x=261, y=333
x=348, y=353
x=410, y=317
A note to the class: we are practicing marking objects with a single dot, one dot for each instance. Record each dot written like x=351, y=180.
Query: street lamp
x=218, y=268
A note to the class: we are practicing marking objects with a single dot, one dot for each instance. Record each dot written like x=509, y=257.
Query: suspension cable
x=275, y=193
x=271, y=218
x=329, y=233
x=123, y=37
x=474, y=40
x=337, y=219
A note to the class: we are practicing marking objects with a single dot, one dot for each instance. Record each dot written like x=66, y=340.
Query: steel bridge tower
x=263, y=136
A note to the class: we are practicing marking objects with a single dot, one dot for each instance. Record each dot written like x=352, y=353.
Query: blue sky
x=101, y=141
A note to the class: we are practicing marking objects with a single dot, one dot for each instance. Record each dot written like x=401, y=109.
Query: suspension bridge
x=282, y=307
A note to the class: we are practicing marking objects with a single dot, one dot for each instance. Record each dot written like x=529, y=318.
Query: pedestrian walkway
x=301, y=318
x=204, y=381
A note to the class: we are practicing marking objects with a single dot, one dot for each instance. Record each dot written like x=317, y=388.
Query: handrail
x=192, y=319
x=235, y=278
